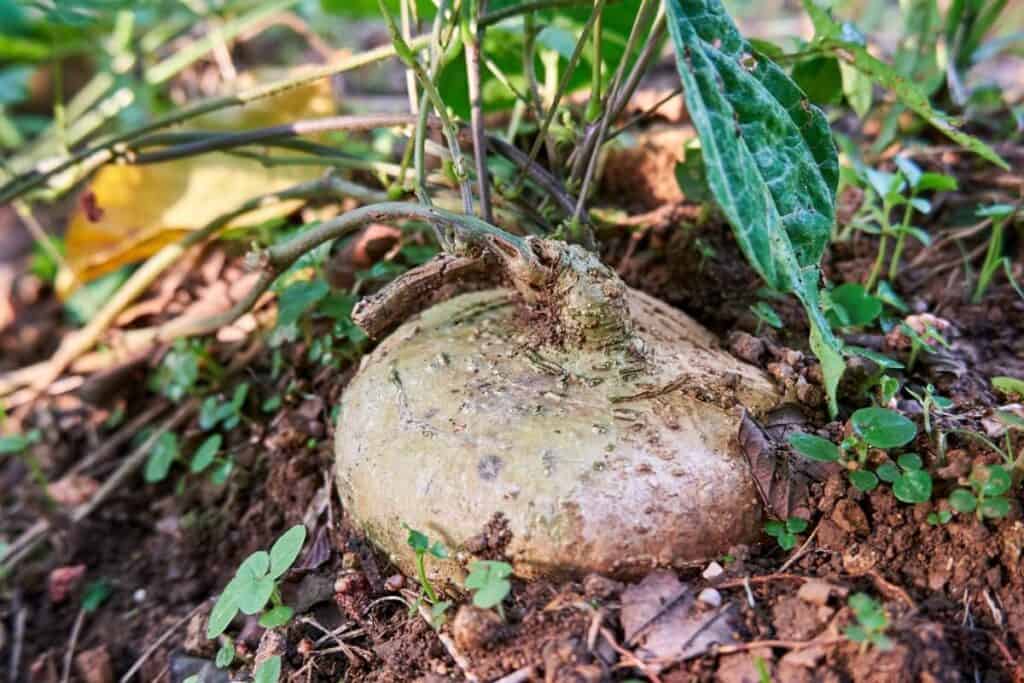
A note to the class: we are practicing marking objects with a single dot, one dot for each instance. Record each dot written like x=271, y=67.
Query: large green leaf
x=770, y=159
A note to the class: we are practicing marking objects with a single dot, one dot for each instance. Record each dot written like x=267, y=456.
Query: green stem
x=883, y=243
x=993, y=256
x=897, y=252
x=421, y=569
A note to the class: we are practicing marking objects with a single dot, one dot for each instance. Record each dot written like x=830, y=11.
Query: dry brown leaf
x=127, y=213
x=663, y=620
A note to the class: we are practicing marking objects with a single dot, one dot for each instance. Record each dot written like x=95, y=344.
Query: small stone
x=474, y=628
x=746, y=347
x=815, y=592
x=94, y=665
x=139, y=596
x=394, y=583
x=713, y=571
x=781, y=372
x=849, y=517
x=601, y=587
x=860, y=559
x=710, y=597
x=62, y=581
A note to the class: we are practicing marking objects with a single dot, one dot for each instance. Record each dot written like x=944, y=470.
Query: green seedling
x=872, y=427
x=1001, y=215
x=922, y=342
x=850, y=305
x=225, y=654
x=785, y=533
x=95, y=594
x=488, y=580
x=269, y=671
x=184, y=369
x=227, y=414
x=871, y=623
x=765, y=315
x=1011, y=386
x=939, y=518
x=910, y=483
x=256, y=583
x=986, y=497
x=422, y=546
x=931, y=403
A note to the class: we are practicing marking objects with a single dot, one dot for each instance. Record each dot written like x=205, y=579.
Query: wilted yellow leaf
x=127, y=213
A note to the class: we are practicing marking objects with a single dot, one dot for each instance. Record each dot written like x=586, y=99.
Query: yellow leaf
x=127, y=213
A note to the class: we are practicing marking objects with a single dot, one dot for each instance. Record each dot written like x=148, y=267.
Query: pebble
x=713, y=571
x=710, y=597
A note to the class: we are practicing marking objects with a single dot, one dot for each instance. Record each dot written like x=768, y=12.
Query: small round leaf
x=814, y=447
x=279, y=616
x=997, y=483
x=910, y=461
x=269, y=671
x=253, y=596
x=883, y=428
x=863, y=480
x=913, y=487
x=796, y=525
x=963, y=500
x=888, y=472
x=995, y=507
x=206, y=452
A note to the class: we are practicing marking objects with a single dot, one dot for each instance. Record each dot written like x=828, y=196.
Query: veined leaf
x=829, y=37
x=770, y=159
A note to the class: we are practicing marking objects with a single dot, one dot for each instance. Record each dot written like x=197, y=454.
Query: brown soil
x=954, y=593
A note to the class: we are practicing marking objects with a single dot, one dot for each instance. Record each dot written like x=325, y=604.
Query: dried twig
x=147, y=653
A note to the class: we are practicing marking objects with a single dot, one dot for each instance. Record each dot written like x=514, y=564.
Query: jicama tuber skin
x=599, y=421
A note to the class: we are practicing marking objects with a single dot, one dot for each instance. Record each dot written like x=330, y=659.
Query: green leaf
x=161, y=457
x=223, y=612
x=856, y=633
x=880, y=359
x=995, y=508
x=914, y=486
x=863, y=480
x=963, y=500
x=226, y=654
x=286, y=549
x=489, y=582
x=206, y=452
x=691, y=176
x=438, y=550
x=95, y=594
x=254, y=594
x=417, y=540
x=860, y=307
x=269, y=671
x=1009, y=385
x=786, y=540
x=279, y=616
x=819, y=77
x=796, y=525
x=858, y=89
x=15, y=443
x=997, y=482
x=765, y=313
x=209, y=413
x=829, y=38
x=910, y=461
x=883, y=428
x=774, y=527
x=254, y=566
x=770, y=159
x=888, y=472
x=222, y=471
x=814, y=447
x=297, y=298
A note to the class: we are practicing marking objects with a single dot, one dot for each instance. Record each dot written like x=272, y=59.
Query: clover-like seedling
x=987, y=495
x=256, y=582
x=910, y=483
x=785, y=533
x=922, y=342
x=939, y=518
x=872, y=622
x=488, y=580
x=850, y=305
x=872, y=427
x=422, y=546
x=930, y=402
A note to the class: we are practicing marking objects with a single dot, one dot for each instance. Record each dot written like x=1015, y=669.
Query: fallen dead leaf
x=128, y=213
x=663, y=620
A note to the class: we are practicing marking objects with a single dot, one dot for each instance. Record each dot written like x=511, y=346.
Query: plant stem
x=563, y=84
x=473, y=38
x=993, y=255
x=883, y=243
x=897, y=252
x=407, y=55
x=528, y=8
x=104, y=150
x=421, y=569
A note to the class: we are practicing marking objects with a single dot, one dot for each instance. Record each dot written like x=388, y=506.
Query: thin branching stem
x=472, y=38
x=105, y=150
x=563, y=85
x=528, y=8
x=646, y=7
